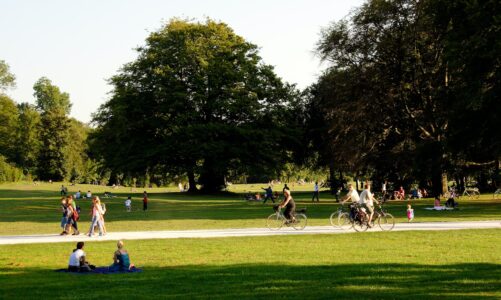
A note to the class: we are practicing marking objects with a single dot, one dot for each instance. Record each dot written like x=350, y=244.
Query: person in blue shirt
x=121, y=260
x=268, y=194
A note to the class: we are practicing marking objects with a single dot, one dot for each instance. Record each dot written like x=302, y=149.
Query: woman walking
x=97, y=212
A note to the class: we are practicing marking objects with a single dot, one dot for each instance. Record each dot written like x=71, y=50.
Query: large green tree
x=54, y=106
x=199, y=101
x=402, y=83
x=28, y=143
x=8, y=125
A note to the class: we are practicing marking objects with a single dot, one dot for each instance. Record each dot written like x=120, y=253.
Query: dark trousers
x=268, y=197
x=145, y=205
x=289, y=211
x=315, y=195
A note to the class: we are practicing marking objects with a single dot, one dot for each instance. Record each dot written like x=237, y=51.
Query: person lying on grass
x=77, y=261
x=121, y=260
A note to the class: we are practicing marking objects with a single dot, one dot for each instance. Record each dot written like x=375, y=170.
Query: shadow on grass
x=349, y=281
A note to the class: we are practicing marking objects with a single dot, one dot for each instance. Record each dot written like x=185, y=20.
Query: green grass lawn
x=29, y=209
x=442, y=265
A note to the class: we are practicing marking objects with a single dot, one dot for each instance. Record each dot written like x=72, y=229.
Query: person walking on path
x=315, y=192
x=268, y=194
x=97, y=212
x=145, y=201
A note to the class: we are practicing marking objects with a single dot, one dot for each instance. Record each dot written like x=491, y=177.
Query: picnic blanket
x=102, y=270
x=439, y=208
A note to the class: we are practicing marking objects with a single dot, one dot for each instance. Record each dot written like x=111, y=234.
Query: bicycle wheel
x=386, y=222
x=344, y=222
x=301, y=221
x=275, y=221
x=496, y=195
x=360, y=224
x=475, y=195
x=334, y=219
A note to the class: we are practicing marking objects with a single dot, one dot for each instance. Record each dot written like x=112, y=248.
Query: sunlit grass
x=29, y=209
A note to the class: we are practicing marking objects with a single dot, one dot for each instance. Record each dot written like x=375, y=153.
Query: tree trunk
x=191, y=182
x=211, y=180
x=332, y=177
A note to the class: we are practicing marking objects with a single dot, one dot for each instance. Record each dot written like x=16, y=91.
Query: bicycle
x=356, y=219
x=471, y=193
x=277, y=220
x=497, y=194
x=360, y=220
x=385, y=220
x=334, y=218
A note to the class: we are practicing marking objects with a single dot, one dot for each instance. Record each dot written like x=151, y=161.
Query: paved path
x=211, y=233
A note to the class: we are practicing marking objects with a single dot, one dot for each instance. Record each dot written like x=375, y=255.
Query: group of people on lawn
x=71, y=215
x=79, y=263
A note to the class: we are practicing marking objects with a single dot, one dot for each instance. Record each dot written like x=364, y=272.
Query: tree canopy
x=199, y=101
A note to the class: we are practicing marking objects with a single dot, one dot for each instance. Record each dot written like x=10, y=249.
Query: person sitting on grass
x=121, y=260
x=77, y=261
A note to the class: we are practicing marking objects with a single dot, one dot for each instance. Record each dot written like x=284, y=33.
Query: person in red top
x=145, y=201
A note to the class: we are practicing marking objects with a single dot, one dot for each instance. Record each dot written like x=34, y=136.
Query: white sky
x=79, y=44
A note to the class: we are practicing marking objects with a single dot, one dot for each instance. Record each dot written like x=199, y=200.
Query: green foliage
x=54, y=130
x=8, y=127
x=197, y=101
x=8, y=172
x=7, y=79
x=28, y=143
x=50, y=98
x=403, y=84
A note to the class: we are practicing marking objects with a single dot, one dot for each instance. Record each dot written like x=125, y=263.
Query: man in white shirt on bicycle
x=367, y=201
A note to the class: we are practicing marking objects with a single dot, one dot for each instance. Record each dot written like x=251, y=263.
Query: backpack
x=75, y=215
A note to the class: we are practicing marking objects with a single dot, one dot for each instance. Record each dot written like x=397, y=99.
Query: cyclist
x=289, y=204
x=355, y=199
x=367, y=201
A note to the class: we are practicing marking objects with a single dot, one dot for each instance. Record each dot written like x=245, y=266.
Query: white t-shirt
x=384, y=187
x=354, y=196
x=127, y=202
x=366, y=197
x=75, y=258
x=315, y=189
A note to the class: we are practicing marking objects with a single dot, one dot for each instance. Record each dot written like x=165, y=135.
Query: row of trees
x=411, y=94
x=41, y=141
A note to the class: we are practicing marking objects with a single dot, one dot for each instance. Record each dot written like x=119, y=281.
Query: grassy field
x=29, y=209
x=396, y=265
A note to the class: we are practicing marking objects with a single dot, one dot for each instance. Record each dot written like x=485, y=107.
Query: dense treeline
x=410, y=95
x=412, y=92
x=40, y=141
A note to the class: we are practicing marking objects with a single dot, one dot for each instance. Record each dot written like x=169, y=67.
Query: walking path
x=212, y=233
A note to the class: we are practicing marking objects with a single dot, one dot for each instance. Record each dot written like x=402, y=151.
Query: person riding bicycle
x=353, y=196
x=367, y=201
x=289, y=204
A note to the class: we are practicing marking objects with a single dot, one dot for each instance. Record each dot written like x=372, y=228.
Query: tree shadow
x=246, y=281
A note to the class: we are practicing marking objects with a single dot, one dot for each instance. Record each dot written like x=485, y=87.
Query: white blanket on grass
x=439, y=208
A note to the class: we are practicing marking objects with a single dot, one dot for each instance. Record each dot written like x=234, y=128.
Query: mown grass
x=29, y=209
x=395, y=265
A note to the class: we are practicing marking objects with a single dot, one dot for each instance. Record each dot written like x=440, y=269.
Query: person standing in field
x=268, y=194
x=128, y=204
x=145, y=201
x=315, y=192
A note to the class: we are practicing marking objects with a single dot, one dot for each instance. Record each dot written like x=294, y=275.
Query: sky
x=80, y=44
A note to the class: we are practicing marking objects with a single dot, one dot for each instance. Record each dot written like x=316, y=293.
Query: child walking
x=410, y=213
x=128, y=203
